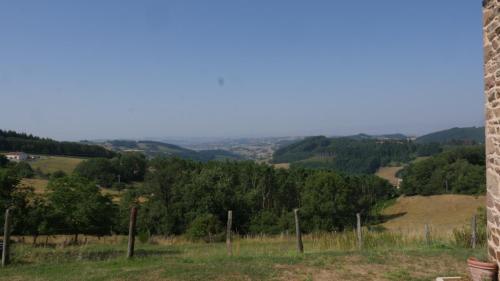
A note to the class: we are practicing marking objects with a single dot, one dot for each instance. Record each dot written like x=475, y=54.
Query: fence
x=360, y=238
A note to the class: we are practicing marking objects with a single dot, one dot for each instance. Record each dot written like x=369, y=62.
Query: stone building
x=491, y=45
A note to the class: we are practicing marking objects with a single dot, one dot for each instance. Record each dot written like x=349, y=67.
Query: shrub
x=144, y=236
x=58, y=174
x=23, y=170
x=462, y=237
x=204, y=227
x=265, y=222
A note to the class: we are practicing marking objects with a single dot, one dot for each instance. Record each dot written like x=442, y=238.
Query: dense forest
x=469, y=135
x=13, y=141
x=187, y=197
x=460, y=170
x=351, y=155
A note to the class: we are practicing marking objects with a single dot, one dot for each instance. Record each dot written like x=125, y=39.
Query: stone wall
x=491, y=41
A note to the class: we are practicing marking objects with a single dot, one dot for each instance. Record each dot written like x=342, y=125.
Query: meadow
x=328, y=256
x=443, y=213
x=51, y=164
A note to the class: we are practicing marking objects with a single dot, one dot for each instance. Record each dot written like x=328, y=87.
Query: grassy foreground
x=386, y=258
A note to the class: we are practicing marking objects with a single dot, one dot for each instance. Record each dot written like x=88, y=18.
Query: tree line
x=459, y=170
x=350, y=155
x=185, y=197
x=13, y=141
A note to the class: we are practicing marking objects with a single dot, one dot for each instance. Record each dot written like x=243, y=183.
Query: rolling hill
x=156, y=148
x=14, y=141
x=468, y=135
x=359, y=154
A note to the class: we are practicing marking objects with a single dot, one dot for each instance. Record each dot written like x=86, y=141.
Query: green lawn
x=50, y=164
x=266, y=259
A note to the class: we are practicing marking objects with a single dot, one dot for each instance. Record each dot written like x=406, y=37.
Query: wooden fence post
x=427, y=235
x=474, y=232
x=229, y=245
x=6, y=239
x=300, y=245
x=358, y=231
x=131, y=232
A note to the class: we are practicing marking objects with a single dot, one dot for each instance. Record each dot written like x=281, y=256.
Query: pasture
x=50, y=164
x=331, y=257
x=442, y=212
x=389, y=173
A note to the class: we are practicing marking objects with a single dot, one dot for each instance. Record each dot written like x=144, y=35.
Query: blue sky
x=195, y=68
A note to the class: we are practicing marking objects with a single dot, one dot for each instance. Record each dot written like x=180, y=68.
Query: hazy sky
x=132, y=69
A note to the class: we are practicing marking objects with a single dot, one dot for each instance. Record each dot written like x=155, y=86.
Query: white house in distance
x=17, y=156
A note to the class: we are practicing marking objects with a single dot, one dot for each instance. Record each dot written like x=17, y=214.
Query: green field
x=387, y=258
x=50, y=164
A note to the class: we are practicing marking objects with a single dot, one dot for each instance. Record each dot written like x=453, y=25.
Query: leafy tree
x=459, y=171
x=130, y=166
x=100, y=170
x=204, y=227
x=58, y=174
x=3, y=160
x=8, y=182
x=23, y=170
x=80, y=207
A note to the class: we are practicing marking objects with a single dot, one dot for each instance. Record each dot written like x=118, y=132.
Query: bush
x=58, y=174
x=23, y=170
x=463, y=236
x=144, y=236
x=204, y=227
x=265, y=222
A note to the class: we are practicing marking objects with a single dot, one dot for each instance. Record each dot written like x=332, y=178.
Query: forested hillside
x=188, y=197
x=459, y=170
x=470, y=135
x=154, y=149
x=13, y=141
x=351, y=155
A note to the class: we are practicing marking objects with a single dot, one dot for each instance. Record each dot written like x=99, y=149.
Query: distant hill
x=353, y=154
x=469, y=135
x=156, y=148
x=378, y=137
x=14, y=141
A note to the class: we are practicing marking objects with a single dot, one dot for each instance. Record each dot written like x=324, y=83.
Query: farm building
x=17, y=156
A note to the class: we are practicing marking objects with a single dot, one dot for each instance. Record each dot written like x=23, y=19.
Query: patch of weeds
x=374, y=258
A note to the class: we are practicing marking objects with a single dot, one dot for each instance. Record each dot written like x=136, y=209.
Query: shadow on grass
x=386, y=218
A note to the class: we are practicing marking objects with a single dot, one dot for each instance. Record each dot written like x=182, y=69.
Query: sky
x=95, y=69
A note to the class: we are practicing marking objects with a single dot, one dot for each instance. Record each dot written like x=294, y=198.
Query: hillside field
x=389, y=173
x=385, y=258
x=50, y=164
x=443, y=213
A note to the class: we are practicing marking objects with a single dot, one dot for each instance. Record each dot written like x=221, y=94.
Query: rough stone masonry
x=491, y=45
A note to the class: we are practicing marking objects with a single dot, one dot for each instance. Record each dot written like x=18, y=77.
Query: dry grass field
x=50, y=164
x=389, y=173
x=282, y=166
x=443, y=213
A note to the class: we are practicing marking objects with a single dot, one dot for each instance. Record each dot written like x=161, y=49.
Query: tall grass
x=55, y=248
